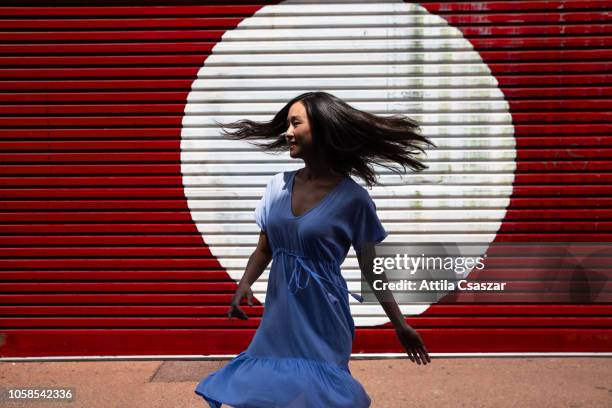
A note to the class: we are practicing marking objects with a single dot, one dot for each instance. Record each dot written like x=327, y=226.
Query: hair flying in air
x=348, y=139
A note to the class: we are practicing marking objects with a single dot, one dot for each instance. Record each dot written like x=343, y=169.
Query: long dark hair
x=349, y=140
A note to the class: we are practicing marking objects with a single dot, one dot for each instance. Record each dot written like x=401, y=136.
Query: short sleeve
x=262, y=208
x=367, y=226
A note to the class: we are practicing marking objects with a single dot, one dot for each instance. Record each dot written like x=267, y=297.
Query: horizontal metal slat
x=525, y=310
x=203, y=204
x=154, y=107
x=237, y=9
x=440, y=323
x=446, y=177
x=213, y=299
x=290, y=33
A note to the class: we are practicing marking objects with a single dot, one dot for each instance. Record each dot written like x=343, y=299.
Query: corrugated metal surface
x=124, y=215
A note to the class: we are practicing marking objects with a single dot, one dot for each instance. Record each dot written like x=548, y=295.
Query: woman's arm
x=410, y=339
x=259, y=259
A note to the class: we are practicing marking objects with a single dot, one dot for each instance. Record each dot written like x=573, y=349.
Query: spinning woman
x=309, y=218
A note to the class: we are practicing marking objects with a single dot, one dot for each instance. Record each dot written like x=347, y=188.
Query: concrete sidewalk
x=446, y=382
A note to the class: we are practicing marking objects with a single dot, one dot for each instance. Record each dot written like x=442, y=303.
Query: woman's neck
x=318, y=171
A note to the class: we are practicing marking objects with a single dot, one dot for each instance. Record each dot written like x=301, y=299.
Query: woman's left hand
x=413, y=343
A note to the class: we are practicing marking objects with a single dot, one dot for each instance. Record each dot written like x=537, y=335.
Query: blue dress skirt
x=300, y=352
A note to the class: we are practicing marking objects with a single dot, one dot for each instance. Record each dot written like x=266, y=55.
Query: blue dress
x=299, y=354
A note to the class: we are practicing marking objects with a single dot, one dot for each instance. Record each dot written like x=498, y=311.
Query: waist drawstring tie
x=296, y=275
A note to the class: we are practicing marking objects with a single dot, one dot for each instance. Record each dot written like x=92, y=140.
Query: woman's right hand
x=243, y=291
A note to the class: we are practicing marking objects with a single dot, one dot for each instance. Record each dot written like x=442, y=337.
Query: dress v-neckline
x=318, y=204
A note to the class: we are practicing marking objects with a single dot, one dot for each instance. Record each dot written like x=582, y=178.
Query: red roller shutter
x=124, y=219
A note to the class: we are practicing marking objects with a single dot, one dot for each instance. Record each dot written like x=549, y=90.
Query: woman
x=308, y=219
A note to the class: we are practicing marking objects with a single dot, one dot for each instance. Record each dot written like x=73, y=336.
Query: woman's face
x=298, y=134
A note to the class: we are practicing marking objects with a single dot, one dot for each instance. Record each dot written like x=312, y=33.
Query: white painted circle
x=386, y=59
